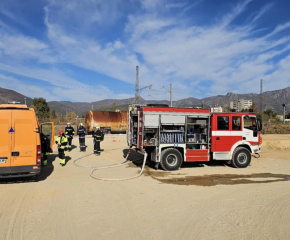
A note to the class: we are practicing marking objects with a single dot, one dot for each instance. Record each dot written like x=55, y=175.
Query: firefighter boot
x=62, y=161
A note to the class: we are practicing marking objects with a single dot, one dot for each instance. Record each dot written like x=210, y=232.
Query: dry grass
x=276, y=127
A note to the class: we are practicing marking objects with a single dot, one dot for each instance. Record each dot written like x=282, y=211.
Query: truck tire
x=241, y=157
x=171, y=159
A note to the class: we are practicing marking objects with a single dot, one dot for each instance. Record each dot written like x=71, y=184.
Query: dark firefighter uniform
x=97, y=140
x=102, y=131
x=69, y=132
x=61, y=141
x=45, y=149
x=82, y=138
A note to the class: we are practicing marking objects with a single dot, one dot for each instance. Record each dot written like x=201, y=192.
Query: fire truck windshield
x=250, y=122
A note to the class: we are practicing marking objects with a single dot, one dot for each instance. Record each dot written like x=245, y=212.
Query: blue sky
x=87, y=50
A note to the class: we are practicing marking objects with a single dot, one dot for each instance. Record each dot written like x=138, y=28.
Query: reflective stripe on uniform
x=62, y=161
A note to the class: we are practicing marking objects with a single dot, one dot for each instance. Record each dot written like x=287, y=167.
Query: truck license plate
x=2, y=160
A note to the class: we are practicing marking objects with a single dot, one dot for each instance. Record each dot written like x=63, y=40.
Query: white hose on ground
x=118, y=165
x=89, y=155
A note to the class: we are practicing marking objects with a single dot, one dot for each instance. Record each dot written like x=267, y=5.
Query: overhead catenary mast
x=137, y=96
x=261, y=95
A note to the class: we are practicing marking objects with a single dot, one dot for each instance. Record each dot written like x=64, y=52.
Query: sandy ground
x=66, y=203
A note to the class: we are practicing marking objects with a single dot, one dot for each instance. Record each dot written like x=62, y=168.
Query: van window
x=223, y=123
x=46, y=129
x=236, y=123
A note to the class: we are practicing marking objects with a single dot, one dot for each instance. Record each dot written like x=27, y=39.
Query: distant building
x=216, y=109
x=280, y=117
x=240, y=104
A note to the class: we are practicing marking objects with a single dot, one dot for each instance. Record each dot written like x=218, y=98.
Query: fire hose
x=112, y=166
x=87, y=156
x=118, y=165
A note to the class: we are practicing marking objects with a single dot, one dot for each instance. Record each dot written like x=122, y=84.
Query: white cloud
x=29, y=90
x=175, y=5
x=263, y=10
x=199, y=60
x=82, y=14
x=228, y=18
x=22, y=47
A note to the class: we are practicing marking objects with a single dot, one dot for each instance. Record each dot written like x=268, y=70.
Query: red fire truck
x=172, y=136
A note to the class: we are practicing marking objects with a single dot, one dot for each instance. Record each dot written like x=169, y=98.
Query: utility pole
x=283, y=105
x=170, y=94
x=92, y=106
x=137, y=97
x=261, y=96
x=25, y=100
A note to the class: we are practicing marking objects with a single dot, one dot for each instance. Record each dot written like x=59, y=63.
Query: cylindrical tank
x=117, y=121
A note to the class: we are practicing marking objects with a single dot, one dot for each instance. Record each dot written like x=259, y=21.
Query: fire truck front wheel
x=241, y=158
x=171, y=159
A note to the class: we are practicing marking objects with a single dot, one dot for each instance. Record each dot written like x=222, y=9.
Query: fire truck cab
x=172, y=136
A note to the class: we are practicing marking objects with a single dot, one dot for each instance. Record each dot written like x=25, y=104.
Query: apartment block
x=240, y=104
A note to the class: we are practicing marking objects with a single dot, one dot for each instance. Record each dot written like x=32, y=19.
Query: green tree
x=269, y=112
x=41, y=107
x=53, y=114
x=113, y=107
x=103, y=108
x=71, y=115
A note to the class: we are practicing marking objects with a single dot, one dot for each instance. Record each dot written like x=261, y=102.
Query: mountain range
x=271, y=99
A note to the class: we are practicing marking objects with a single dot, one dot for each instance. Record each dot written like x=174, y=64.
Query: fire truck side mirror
x=259, y=125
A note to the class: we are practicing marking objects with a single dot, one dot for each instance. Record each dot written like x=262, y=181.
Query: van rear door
x=5, y=141
x=48, y=130
x=24, y=142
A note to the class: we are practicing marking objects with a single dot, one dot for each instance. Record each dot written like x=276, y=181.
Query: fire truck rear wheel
x=171, y=159
x=241, y=157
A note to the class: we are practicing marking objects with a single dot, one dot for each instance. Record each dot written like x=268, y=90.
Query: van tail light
x=38, y=158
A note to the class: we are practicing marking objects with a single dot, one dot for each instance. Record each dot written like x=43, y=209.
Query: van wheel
x=171, y=159
x=241, y=158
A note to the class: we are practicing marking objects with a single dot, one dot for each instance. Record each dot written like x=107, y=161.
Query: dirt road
x=66, y=203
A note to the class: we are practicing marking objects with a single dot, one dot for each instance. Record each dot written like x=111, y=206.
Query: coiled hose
x=113, y=165
x=118, y=165
x=92, y=154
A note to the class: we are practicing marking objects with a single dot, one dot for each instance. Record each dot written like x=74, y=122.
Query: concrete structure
x=216, y=109
x=240, y=104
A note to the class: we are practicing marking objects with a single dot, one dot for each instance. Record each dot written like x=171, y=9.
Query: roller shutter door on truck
x=5, y=141
x=151, y=121
x=173, y=119
x=24, y=143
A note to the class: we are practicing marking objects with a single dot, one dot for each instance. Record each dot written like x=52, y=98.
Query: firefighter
x=61, y=142
x=82, y=137
x=97, y=140
x=69, y=132
x=103, y=135
x=45, y=149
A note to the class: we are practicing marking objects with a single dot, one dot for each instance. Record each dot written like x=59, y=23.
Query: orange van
x=20, y=149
